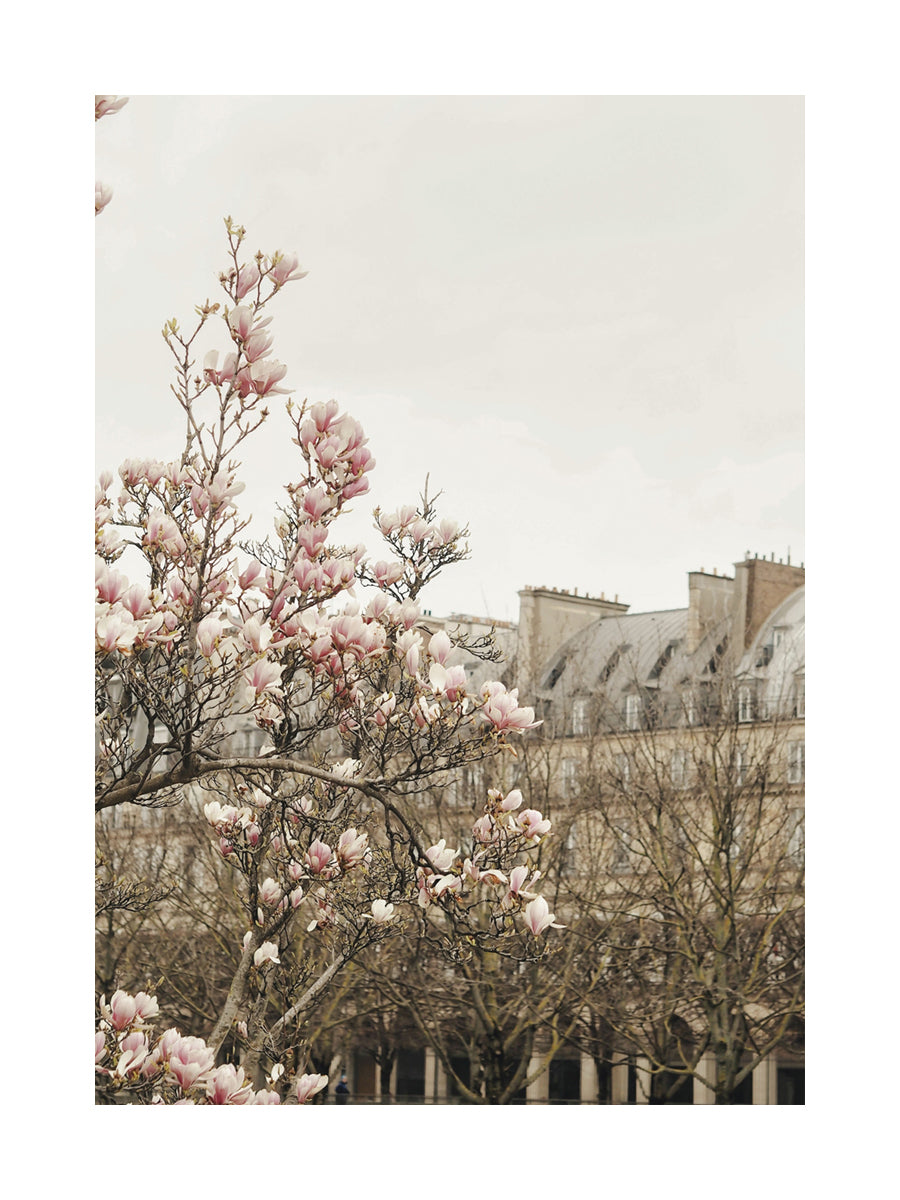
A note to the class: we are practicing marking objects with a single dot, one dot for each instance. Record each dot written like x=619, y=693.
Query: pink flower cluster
x=173, y=1069
x=502, y=709
x=408, y=523
x=501, y=832
x=336, y=449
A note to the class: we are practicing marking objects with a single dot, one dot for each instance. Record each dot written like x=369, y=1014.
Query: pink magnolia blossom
x=211, y=372
x=532, y=824
x=103, y=193
x=425, y=714
x=250, y=574
x=100, y=1050
x=285, y=268
x=270, y=893
x=312, y=538
x=110, y=584
x=308, y=1086
x=440, y=856
x=267, y=952
x=385, y=705
x=316, y=502
x=116, y=631
x=352, y=848
x=485, y=829
x=189, y=1061
x=264, y=676
x=347, y=769
x=387, y=573
x=447, y=883
x=502, y=710
x=247, y=279
x=257, y=345
x=209, y=633
x=408, y=613
x=445, y=532
x=256, y=634
x=122, y=1010
x=264, y=1097
x=146, y=1006
x=137, y=600
x=262, y=378
x=492, y=876
x=440, y=647
x=517, y=877
x=107, y=106
x=164, y=534
x=241, y=321
x=133, y=1048
x=408, y=646
x=226, y=1086
x=538, y=916
x=382, y=912
x=447, y=681
x=318, y=856
x=419, y=530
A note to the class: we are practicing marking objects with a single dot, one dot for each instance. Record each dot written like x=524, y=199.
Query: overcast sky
x=582, y=316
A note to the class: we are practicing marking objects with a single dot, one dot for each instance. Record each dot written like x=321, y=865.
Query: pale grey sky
x=582, y=316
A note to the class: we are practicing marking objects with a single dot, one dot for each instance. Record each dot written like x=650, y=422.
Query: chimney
x=710, y=600
x=760, y=586
x=547, y=618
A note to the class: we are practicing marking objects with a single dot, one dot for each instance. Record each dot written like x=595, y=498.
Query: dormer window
x=580, y=716
x=798, y=706
x=634, y=705
x=745, y=702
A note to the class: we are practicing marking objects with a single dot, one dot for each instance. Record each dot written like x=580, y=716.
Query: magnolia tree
x=323, y=829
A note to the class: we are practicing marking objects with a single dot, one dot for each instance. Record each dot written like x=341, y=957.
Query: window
x=472, y=784
x=737, y=844
x=799, y=704
x=663, y=661
x=570, y=777
x=690, y=708
x=740, y=767
x=796, y=846
x=678, y=768
x=621, y=855
x=796, y=762
x=580, y=716
x=568, y=862
x=745, y=703
x=612, y=662
x=633, y=707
